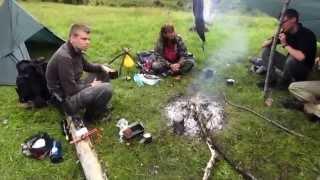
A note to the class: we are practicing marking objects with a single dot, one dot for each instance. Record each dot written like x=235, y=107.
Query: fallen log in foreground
x=86, y=154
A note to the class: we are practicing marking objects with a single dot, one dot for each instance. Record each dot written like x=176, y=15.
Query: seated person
x=306, y=97
x=64, y=72
x=301, y=45
x=171, y=53
x=307, y=94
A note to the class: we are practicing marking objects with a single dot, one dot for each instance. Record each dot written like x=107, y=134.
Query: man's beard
x=168, y=41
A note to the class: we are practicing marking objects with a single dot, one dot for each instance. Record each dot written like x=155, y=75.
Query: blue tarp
x=309, y=10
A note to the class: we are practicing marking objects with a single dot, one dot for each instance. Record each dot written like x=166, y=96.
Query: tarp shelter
x=22, y=37
x=309, y=10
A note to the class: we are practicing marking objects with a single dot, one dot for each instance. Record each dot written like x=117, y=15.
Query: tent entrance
x=42, y=44
x=40, y=49
x=22, y=38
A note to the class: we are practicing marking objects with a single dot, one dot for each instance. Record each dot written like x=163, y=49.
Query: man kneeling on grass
x=307, y=94
x=171, y=53
x=64, y=73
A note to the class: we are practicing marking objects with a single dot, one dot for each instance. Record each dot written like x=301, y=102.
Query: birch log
x=207, y=171
x=87, y=156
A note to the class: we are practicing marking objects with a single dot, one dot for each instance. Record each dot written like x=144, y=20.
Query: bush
x=174, y=4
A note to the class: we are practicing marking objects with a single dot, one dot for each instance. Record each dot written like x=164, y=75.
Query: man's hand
x=175, y=67
x=107, y=69
x=113, y=74
x=95, y=82
x=283, y=39
x=267, y=43
x=317, y=61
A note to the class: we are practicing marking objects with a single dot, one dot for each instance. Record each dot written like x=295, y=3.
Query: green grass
x=255, y=145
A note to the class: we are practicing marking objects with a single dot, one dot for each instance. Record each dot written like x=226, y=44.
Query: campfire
x=189, y=115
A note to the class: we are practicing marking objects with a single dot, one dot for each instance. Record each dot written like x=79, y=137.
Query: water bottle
x=56, y=152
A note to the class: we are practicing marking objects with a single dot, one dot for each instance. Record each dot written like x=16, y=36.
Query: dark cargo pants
x=160, y=65
x=93, y=99
x=291, y=69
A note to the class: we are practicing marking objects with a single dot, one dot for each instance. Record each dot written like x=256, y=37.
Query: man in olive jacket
x=64, y=72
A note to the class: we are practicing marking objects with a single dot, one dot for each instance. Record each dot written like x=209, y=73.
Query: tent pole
x=273, y=48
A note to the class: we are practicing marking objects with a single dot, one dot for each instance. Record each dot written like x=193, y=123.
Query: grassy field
x=256, y=146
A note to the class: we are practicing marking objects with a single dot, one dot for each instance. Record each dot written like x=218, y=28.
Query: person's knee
x=103, y=89
x=187, y=66
x=296, y=87
x=265, y=51
x=103, y=95
x=292, y=87
x=296, y=69
x=158, y=66
x=292, y=62
x=106, y=88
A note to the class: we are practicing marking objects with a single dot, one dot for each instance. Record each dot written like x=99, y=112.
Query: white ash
x=184, y=109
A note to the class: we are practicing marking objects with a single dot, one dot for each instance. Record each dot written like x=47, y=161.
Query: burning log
x=87, y=155
x=178, y=127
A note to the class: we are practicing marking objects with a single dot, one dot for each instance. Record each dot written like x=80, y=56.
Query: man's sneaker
x=256, y=61
x=261, y=70
x=292, y=104
x=253, y=68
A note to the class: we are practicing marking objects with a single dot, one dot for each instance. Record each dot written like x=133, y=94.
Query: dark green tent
x=22, y=37
x=309, y=10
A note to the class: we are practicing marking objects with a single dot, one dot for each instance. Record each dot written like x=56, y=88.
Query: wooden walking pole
x=273, y=48
x=87, y=156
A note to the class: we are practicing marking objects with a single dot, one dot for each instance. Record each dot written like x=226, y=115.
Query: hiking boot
x=77, y=121
x=292, y=104
x=26, y=105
